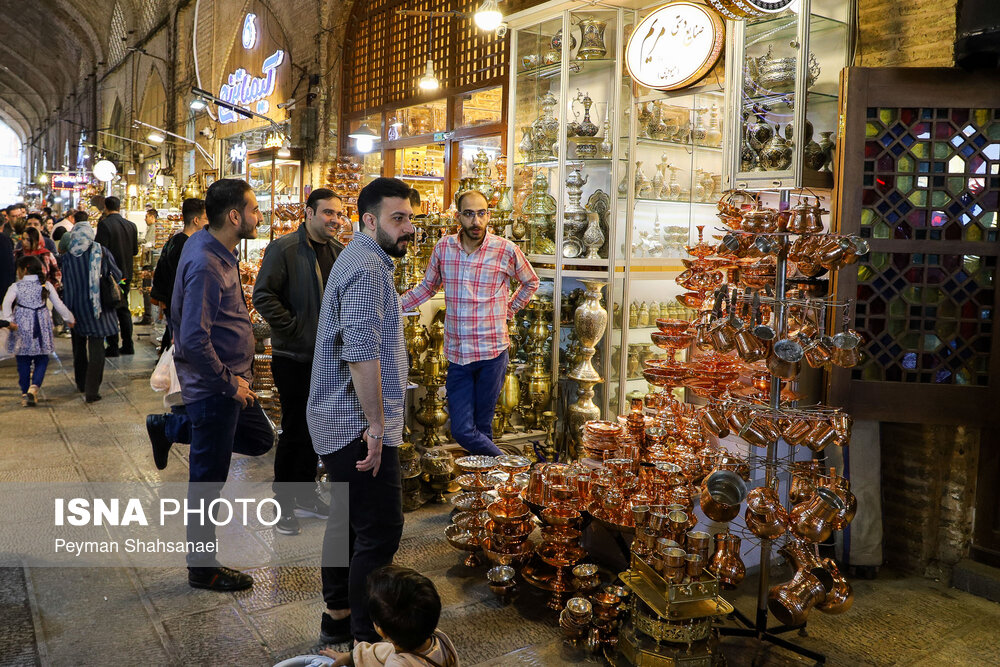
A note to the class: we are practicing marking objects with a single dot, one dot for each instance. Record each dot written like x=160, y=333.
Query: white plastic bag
x=164, y=375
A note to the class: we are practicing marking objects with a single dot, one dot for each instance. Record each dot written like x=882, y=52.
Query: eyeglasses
x=482, y=214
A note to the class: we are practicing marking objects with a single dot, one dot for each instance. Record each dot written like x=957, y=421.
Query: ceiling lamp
x=198, y=104
x=428, y=81
x=284, y=151
x=156, y=137
x=364, y=137
x=488, y=16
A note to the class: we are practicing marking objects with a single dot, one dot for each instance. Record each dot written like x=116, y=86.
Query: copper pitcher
x=765, y=516
x=726, y=563
x=722, y=492
x=803, y=481
x=842, y=487
x=840, y=598
x=790, y=602
x=749, y=347
x=804, y=560
x=812, y=520
x=714, y=420
x=820, y=436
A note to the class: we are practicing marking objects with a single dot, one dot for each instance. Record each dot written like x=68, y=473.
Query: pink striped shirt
x=476, y=294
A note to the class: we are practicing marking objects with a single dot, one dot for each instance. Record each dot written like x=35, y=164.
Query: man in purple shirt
x=213, y=354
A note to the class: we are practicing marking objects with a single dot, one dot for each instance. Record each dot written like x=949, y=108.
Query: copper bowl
x=516, y=558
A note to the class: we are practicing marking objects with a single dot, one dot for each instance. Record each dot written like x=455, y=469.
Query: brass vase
x=590, y=321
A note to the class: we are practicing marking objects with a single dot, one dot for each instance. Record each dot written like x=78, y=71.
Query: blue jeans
x=473, y=390
x=24, y=375
x=216, y=427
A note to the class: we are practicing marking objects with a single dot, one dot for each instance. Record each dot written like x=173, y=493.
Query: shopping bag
x=164, y=374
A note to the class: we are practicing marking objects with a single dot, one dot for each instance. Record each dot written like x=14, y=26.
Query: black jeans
x=375, y=527
x=88, y=363
x=124, y=324
x=294, y=458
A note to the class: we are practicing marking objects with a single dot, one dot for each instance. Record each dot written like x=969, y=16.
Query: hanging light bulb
x=488, y=16
x=364, y=137
x=284, y=151
x=428, y=81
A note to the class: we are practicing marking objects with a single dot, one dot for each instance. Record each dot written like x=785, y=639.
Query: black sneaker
x=335, y=632
x=127, y=351
x=156, y=427
x=218, y=578
x=313, y=509
x=287, y=525
x=109, y=352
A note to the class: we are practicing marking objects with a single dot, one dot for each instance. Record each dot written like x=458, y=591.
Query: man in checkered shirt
x=355, y=408
x=475, y=268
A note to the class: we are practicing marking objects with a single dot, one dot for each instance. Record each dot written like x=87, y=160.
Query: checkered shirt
x=358, y=321
x=476, y=294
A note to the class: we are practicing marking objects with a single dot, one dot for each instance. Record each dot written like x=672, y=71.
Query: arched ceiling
x=44, y=45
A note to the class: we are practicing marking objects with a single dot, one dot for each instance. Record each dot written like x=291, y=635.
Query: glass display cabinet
x=275, y=181
x=789, y=79
x=610, y=180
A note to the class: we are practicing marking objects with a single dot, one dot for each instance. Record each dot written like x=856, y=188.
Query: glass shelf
x=575, y=67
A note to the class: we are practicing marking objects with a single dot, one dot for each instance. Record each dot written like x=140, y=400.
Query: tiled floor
x=105, y=616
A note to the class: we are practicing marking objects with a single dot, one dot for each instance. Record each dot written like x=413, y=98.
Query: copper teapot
x=765, y=516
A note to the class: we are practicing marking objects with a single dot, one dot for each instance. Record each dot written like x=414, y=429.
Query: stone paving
x=106, y=616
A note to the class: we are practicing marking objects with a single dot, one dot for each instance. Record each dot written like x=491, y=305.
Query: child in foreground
x=405, y=607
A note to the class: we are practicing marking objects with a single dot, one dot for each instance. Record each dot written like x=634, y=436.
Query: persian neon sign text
x=244, y=89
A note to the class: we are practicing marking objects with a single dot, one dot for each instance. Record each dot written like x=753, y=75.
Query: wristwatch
x=374, y=437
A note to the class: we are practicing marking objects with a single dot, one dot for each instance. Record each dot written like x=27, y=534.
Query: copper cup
x=714, y=420
x=657, y=521
x=790, y=602
x=665, y=544
x=797, y=431
x=698, y=540
x=694, y=563
x=639, y=515
x=820, y=436
x=677, y=523
x=674, y=557
x=843, y=423
x=648, y=540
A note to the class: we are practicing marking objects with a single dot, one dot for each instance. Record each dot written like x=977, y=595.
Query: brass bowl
x=516, y=558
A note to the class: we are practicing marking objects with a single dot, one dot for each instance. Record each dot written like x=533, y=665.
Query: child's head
x=30, y=265
x=404, y=605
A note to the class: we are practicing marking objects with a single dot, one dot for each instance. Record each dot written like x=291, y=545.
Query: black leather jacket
x=288, y=293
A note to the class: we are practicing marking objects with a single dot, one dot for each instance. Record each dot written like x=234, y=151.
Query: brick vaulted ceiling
x=47, y=47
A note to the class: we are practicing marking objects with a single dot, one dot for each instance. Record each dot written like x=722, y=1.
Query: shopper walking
x=213, y=354
x=355, y=410
x=84, y=265
x=475, y=269
x=288, y=293
x=121, y=237
x=31, y=344
x=32, y=246
x=195, y=218
x=8, y=273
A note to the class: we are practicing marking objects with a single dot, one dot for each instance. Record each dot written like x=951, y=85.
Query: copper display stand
x=758, y=627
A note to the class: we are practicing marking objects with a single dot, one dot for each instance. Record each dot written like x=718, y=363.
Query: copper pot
x=845, y=357
x=841, y=597
x=749, y=347
x=721, y=495
x=842, y=488
x=817, y=353
x=803, y=481
x=804, y=560
x=726, y=563
x=812, y=520
x=796, y=431
x=785, y=359
x=765, y=516
x=820, y=436
x=723, y=335
x=790, y=602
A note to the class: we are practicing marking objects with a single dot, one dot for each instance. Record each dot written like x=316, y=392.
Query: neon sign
x=243, y=89
x=250, y=31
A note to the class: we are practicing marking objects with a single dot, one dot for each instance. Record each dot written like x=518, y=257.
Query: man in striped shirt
x=475, y=268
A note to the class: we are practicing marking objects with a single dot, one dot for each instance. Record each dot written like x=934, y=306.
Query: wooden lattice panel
x=386, y=53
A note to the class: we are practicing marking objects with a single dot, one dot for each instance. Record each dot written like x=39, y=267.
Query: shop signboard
x=675, y=46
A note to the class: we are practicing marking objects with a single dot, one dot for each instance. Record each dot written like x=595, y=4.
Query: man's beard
x=247, y=230
x=386, y=243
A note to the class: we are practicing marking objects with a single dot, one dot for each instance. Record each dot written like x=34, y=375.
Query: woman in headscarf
x=32, y=244
x=83, y=267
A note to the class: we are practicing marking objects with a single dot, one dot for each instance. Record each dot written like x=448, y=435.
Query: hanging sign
x=675, y=46
x=255, y=70
x=245, y=89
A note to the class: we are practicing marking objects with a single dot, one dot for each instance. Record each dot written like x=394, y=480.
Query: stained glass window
x=931, y=176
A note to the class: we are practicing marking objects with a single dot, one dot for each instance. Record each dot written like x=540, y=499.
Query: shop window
x=483, y=107
x=417, y=120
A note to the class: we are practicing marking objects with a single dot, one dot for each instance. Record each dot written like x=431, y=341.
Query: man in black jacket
x=288, y=294
x=121, y=237
x=193, y=211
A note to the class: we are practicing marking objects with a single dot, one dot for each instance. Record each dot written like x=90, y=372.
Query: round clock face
x=675, y=46
x=769, y=6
